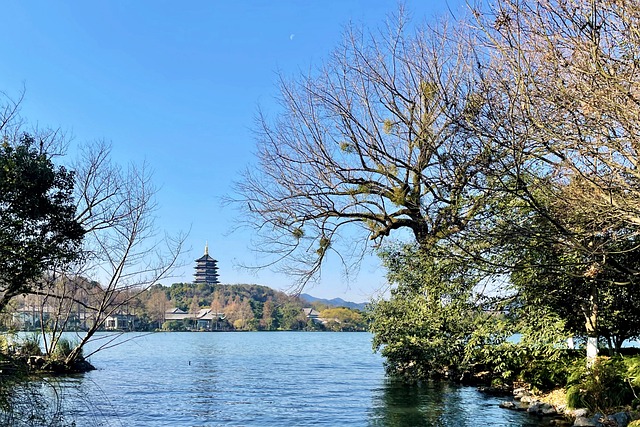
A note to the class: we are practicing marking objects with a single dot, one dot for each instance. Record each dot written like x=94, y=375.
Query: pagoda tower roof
x=206, y=256
x=206, y=268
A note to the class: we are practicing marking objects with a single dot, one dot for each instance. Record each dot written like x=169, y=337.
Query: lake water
x=263, y=379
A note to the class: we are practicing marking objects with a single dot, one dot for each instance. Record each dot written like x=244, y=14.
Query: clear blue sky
x=177, y=84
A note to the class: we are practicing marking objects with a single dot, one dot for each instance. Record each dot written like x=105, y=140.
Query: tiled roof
x=205, y=258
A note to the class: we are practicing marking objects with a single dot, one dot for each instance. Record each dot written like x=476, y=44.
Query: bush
x=30, y=345
x=633, y=376
x=603, y=387
x=509, y=362
x=174, y=325
x=64, y=347
x=546, y=375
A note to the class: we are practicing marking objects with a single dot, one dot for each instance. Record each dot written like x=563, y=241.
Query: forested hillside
x=242, y=307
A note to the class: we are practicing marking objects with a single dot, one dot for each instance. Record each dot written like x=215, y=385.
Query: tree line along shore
x=191, y=307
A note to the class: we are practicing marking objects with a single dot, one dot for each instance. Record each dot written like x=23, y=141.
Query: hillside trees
x=156, y=304
x=242, y=306
x=343, y=319
x=269, y=321
x=240, y=314
x=291, y=316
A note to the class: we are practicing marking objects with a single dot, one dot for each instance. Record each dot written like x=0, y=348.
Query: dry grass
x=557, y=398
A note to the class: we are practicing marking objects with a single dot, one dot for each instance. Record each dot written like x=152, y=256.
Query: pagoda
x=206, y=269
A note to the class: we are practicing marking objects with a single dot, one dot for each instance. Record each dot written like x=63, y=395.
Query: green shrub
x=30, y=345
x=633, y=376
x=64, y=347
x=509, y=362
x=603, y=387
x=546, y=375
x=173, y=325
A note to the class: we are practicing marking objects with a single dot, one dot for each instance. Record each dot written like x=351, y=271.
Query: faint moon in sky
x=291, y=36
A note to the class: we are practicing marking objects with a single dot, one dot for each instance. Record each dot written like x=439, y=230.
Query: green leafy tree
x=291, y=317
x=38, y=228
x=592, y=298
x=424, y=328
x=343, y=319
x=439, y=323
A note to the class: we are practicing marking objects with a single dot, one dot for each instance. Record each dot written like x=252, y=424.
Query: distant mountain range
x=336, y=302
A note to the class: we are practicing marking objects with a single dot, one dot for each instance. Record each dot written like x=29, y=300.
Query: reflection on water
x=406, y=406
x=263, y=379
x=440, y=405
x=29, y=403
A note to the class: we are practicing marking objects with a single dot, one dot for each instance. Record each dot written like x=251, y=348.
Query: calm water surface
x=264, y=379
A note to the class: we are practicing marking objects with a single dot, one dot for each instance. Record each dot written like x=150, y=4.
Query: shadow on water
x=30, y=403
x=440, y=405
x=53, y=402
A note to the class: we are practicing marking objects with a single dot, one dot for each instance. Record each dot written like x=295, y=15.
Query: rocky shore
x=27, y=365
x=42, y=364
x=560, y=415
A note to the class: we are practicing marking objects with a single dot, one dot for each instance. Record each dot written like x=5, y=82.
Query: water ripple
x=264, y=379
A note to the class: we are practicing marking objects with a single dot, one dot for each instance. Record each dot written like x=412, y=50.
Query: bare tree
x=217, y=306
x=564, y=75
x=366, y=146
x=10, y=122
x=112, y=239
x=122, y=248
